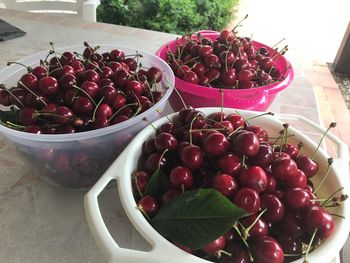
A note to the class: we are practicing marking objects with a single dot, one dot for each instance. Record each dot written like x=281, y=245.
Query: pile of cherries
x=73, y=92
x=228, y=61
x=266, y=176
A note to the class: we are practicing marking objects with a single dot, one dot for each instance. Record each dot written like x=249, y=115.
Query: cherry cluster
x=228, y=61
x=266, y=176
x=73, y=92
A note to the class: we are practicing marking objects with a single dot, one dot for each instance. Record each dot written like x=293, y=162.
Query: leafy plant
x=178, y=17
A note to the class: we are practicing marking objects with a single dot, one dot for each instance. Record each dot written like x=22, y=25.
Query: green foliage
x=178, y=17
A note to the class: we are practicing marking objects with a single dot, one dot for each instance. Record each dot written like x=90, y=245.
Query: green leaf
x=196, y=218
x=10, y=116
x=157, y=184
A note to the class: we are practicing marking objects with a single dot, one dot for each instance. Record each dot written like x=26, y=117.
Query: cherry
x=33, y=129
x=99, y=122
x=264, y=156
x=104, y=110
x=28, y=81
x=237, y=254
x=83, y=105
x=296, y=198
x=290, y=224
x=133, y=87
x=18, y=96
x=91, y=88
x=191, y=77
x=271, y=183
x=259, y=131
x=215, y=144
x=246, y=143
x=154, y=74
x=227, y=58
x=228, y=77
x=245, y=75
x=148, y=205
x=165, y=141
x=307, y=165
x=119, y=101
x=214, y=247
x=39, y=71
x=180, y=177
x=229, y=163
x=199, y=69
x=266, y=249
x=205, y=51
x=91, y=75
x=283, y=168
x=255, y=227
x=67, y=58
x=275, y=208
x=248, y=199
x=236, y=120
x=316, y=217
x=116, y=55
x=62, y=115
x=5, y=98
x=225, y=184
x=253, y=177
x=299, y=180
x=67, y=81
x=78, y=66
x=140, y=180
x=36, y=100
x=191, y=156
x=28, y=116
x=212, y=61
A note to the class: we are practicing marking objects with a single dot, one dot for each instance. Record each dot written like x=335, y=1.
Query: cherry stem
x=121, y=108
x=329, y=199
x=330, y=162
x=87, y=94
x=162, y=114
x=194, y=58
x=246, y=230
x=234, y=131
x=160, y=159
x=336, y=215
x=309, y=246
x=191, y=130
x=18, y=63
x=259, y=115
x=54, y=51
x=235, y=227
x=332, y=125
x=20, y=82
x=218, y=253
x=13, y=95
x=13, y=125
x=139, y=207
x=222, y=103
x=178, y=93
x=239, y=23
x=98, y=104
x=150, y=123
x=136, y=182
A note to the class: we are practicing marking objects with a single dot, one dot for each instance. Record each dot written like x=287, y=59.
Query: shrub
x=178, y=17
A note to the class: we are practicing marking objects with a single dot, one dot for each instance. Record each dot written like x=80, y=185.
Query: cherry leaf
x=157, y=184
x=196, y=218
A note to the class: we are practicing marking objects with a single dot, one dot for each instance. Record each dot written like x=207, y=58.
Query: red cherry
x=246, y=143
x=296, y=198
x=180, y=177
x=215, y=144
x=191, y=156
x=225, y=184
x=247, y=199
x=149, y=205
x=308, y=166
x=215, y=246
x=283, y=168
x=275, y=208
x=266, y=249
x=229, y=163
x=253, y=177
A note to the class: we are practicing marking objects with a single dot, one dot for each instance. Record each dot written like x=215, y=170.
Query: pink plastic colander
x=258, y=99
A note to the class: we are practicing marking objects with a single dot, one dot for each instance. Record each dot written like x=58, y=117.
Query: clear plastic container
x=77, y=160
x=258, y=99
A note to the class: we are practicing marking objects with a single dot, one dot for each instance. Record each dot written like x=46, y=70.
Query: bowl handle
x=340, y=163
x=104, y=240
x=161, y=249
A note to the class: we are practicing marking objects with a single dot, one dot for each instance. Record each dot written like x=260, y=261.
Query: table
x=41, y=223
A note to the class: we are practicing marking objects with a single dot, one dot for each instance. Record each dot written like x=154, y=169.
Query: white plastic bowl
x=102, y=145
x=163, y=250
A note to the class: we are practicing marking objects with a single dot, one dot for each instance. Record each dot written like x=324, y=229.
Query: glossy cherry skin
x=253, y=177
x=308, y=166
x=260, y=227
x=191, y=156
x=139, y=181
x=215, y=144
x=271, y=183
x=236, y=120
x=275, y=208
x=149, y=205
x=28, y=81
x=48, y=85
x=296, y=198
x=259, y=131
x=225, y=184
x=290, y=224
x=181, y=177
x=284, y=168
x=317, y=217
x=83, y=105
x=229, y=163
x=266, y=249
x=298, y=180
x=62, y=115
x=215, y=246
x=238, y=254
x=246, y=143
x=264, y=156
x=248, y=199
x=165, y=141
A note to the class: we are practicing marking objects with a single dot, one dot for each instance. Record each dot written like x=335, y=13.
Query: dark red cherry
x=191, y=156
x=256, y=227
x=181, y=177
x=248, y=199
x=229, y=163
x=246, y=143
x=28, y=81
x=165, y=141
x=215, y=144
x=48, y=85
x=296, y=198
x=283, y=168
x=266, y=249
x=148, y=205
x=307, y=165
x=275, y=208
x=140, y=180
x=253, y=177
x=264, y=156
x=215, y=246
x=225, y=184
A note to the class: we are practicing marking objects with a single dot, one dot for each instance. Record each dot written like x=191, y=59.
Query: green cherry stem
x=332, y=125
x=330, y=162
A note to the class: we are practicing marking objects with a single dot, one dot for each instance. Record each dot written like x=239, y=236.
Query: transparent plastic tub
x=77, y=160
x=258, y=99
x=165, y=251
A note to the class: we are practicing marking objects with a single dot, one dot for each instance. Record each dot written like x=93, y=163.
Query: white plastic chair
x=84, y=9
